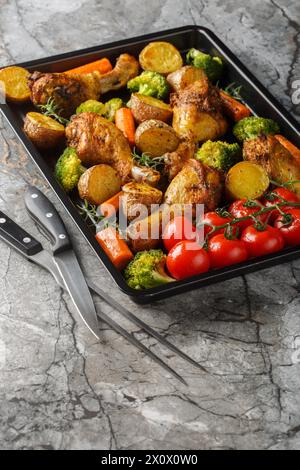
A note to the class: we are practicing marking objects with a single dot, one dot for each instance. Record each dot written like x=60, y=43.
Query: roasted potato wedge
x=246, y=180
x=14, y=80
x=145, y=234
x=184, y=77
x=99, y=183
x=137, y=197
x=161, y=57
x=43, y=131
x=156, y=138
x=146, y=107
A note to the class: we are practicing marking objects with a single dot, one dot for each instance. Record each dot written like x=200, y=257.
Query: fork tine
x=115, y=326
x=134, y=319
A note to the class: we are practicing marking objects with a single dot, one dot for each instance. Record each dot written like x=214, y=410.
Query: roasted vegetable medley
x=168, y=138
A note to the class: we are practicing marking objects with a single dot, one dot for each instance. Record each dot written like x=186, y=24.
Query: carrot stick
x=125, y=122
x=233, y=108
x=102, y=65
x=115, y=247
x=289, y=146
x=111, y=206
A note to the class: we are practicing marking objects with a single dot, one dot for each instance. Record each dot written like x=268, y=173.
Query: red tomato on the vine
x=213, y=218
x=290, y=232
x=225, y=252
x=178, y=229
x=262, y=242
x=283, y=194
x=239, y=209
x=187, y=259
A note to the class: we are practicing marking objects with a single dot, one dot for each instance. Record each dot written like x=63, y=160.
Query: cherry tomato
x=282, y=193
x=238, y=209
x=213, y=218
x=177, y=230
x=224, y=252
x=262, y=242
x=291, y=232
x=186, y=259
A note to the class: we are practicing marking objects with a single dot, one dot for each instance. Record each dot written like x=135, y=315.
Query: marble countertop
x=61, y=389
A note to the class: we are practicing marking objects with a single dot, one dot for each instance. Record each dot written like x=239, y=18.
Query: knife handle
x=13, y=234
x=44, y=214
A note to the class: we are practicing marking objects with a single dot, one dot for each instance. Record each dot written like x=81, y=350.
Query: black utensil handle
x=46, y=216
x=17, y=237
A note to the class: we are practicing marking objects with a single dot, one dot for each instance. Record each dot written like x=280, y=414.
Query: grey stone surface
x=61, y=389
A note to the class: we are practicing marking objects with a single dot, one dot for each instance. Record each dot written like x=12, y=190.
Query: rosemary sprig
x=51, y=109
x=156, y=163
x=90, y=212
x=235, y=91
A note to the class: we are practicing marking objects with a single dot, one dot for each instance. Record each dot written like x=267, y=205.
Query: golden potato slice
x=161, y=57
x=99, y=183
x=156, y=138
x=184, y=77
x=146, y=107
x=137, y=197
x=246, y=180
x=43, y=131
x=14, y=81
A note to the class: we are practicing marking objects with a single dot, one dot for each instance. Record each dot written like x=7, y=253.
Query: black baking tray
x=255, y=94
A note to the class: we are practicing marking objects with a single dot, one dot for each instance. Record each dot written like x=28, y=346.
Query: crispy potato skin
x=137, y=194
x=156, y=138
x=98, y=140
x=144, y=108
x=184, y=77
x=43, y=131
x=161, y=57
x=278, y=162
x=195, y=184
x=99, y=183
x=15, y=83
x=197, y=112
x=146, y=234
x=246, y=180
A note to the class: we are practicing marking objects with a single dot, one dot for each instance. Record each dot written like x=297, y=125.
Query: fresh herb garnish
x=90, y=212
x=51, y=109
x=156, y=163
x=234, y=91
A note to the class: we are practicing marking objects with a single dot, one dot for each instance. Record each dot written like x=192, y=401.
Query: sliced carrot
x=102, y=65
x=289, y=146
x=233, y=108
x=111, y=206
x=115, y=247
x=125, y=122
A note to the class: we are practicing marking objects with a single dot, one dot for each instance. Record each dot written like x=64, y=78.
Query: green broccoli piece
x=111, y=107
x=149, y=84
x=212, y=66
x=91, y=106
x=252, y=127
x=219, y=155
x=147, y=270
x=68, y=169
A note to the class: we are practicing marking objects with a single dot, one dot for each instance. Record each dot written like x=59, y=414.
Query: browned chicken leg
x=98, y=140
x=174, y=161
x=69, y=91
x=197, y=112
x=195, y=184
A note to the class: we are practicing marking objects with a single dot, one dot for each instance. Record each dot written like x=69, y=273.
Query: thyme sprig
x=90, y=212
x=234, y=90
x=51, y=109
x=156, y=163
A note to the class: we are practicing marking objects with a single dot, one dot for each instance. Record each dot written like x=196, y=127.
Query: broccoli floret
x=146, y=270
x=252, y=127
x=219, y=155
x=150, y=84
x=212, y=66
x=111, y=107
x=68, y=169
x=91, y=106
